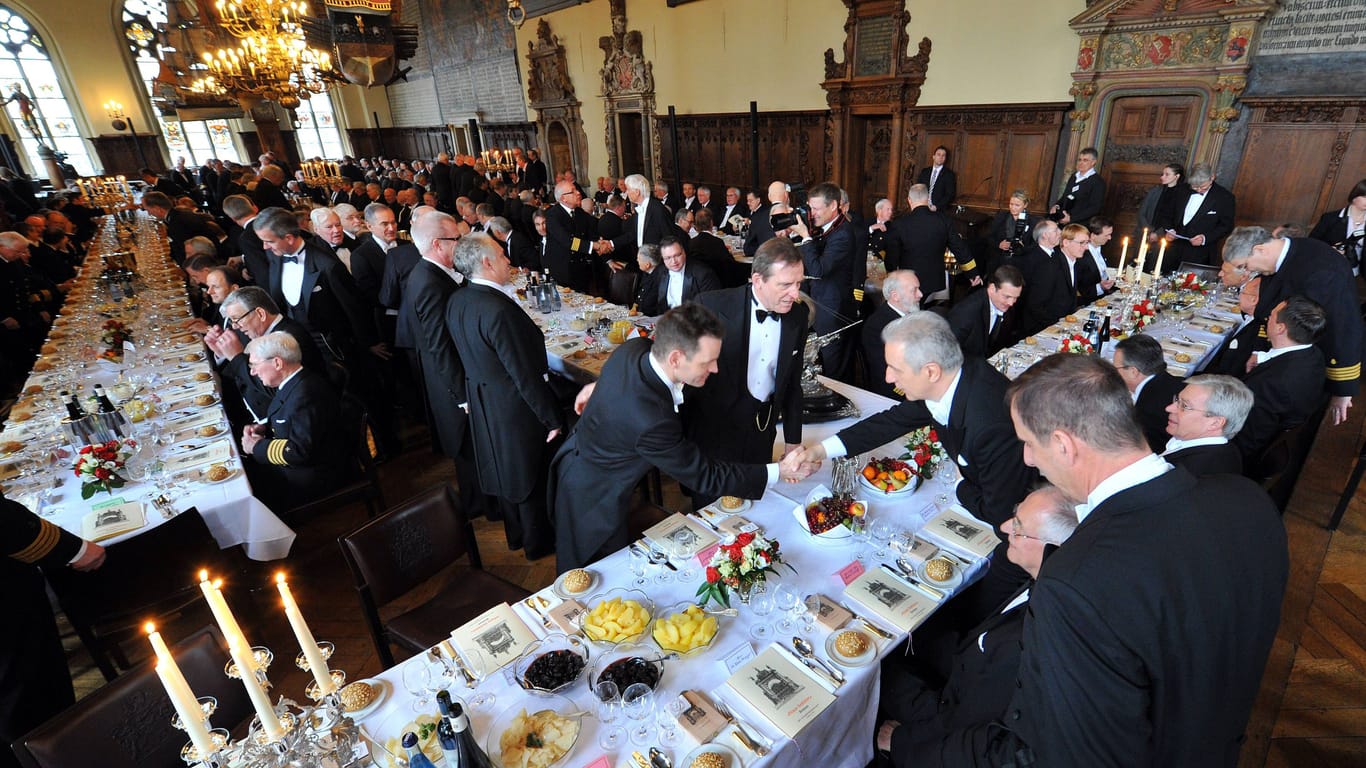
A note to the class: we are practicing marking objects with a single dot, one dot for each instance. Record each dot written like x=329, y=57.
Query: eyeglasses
x=1185, y=406
x=1017, y=531
x=448, y=239
x=237, y=321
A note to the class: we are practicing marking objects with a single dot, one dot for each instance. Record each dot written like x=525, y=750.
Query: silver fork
x=752, y=744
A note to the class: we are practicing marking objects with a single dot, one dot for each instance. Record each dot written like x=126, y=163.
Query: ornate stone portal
x=628, y=89
x=564, y=143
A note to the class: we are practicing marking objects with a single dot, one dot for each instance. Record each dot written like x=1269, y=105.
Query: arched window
x=35, y=101
x=317, y=132
x=196, y=140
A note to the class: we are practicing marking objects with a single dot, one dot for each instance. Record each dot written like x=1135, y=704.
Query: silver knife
x=879, y=631
x=915, y=583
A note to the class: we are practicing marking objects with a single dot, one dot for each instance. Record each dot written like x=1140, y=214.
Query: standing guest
x=1157, y=212
x=1012, y=229
x=539, y=241
x=1052, y=292
x=734, y=416
x=367, y=260
x=917, y=240
x=649, y=222
x=679, y=282
x=535, y=175
x=252, y=312
x=1101, y=229
x=1084, y=193
x=161, y=184
x=513, y=415
x=1140, y=362
x=569, y=239
x=689, y=197
x=392, y=290
x=901, y=296
x=353, y=221
x=328, y=227
x=514, y=244
x=877, y=231
x=1309, y=268
x=35, y=683
x=827, y=248
x=858, y=266
x=986, y=321
x=268, y=188
x=761, y=215
x=298, y=453
x=939, y=180
x=181, y=225
x=1286, y=380
x=242, y=211
x=707, y=248
x=1202, y=221
x=1345, y=230
x=1202, y=419
x=630, y=423
x=1106, y=677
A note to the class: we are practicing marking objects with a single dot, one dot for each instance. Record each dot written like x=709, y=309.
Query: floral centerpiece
x=924, y=452
x=742, y=565
x=1192, y=282
x=1144, y=314
x=1076, y=344
x=112, y=335
x=98, y=466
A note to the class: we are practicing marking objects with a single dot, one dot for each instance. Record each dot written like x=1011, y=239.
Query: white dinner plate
x=381, y=689
x=564, y=594
x=733, y=760
x=716, y=507
x=952, y=583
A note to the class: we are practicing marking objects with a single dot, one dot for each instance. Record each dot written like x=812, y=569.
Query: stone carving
x=1304, y=113
x=628, y=84
x=548, y=70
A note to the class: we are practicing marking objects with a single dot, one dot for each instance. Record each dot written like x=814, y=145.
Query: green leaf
x=87, y=490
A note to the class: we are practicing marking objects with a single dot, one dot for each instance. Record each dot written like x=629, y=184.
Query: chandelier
x=271, y=59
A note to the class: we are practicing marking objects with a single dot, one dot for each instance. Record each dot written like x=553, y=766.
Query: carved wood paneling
x=407, y=143
x=1302, y=157
x=119, y=155
x=716, y=149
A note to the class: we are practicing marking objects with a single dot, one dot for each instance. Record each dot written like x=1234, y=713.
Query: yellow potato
x=685, y=631
x=616, y=620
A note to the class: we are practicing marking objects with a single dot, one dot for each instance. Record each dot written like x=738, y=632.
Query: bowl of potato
x=617, y=616
x=685, y=628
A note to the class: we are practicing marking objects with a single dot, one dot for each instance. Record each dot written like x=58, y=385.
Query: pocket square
x=317, y=288
x=280, y=421
x=1210, y=213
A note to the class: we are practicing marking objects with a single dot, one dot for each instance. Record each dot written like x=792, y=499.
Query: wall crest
x=628, y=86
x=564, y=143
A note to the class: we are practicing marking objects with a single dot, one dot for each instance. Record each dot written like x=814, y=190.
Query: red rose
x=87, y=449
x=101, y=473
x=736, y=555
x=934, y=435
x=767, y=557
x=744, y=539
x=713, y=575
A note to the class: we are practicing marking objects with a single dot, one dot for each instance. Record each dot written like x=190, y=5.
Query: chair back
x=1279, y=466
x=621, y=287
x=127, y=723
x=410, y=543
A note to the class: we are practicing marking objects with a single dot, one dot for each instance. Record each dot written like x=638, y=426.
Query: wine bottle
x=471, y=755
x=416, y=759
x=73, y=406
x=445, y=731
x=100, y=397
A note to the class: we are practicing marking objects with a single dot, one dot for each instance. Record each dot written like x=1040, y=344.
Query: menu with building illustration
x=783, y=692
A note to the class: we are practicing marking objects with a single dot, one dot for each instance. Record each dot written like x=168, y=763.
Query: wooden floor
x=1312, y=706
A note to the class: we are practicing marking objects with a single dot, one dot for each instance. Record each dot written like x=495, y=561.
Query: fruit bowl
x=824, y=523
x=890, y=477
x=628, y=663
x=685, y=646
x=601, y=625
x=551, y=665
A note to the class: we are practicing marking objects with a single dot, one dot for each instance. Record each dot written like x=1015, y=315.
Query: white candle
x=316, y=663
x=1124, y=252
x=182, y=698
x=221, y=613
x=1161, y=251
x=260, y=700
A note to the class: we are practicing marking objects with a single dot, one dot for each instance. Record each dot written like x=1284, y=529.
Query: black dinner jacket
x=429, y=290
x=1082, y=200
x=629, y=426
x=522, y=251
x=970, y=320
x=917, y=240
x=874, y=353
x=181, y=225
x=979, y=431
x=1151, y=408
x=723, y=218
x=611, y=227
x=367, y=267
x=1213, y=219
x=827, y=257
x=658, y=225
x=442, y=185
x=257, y=395
x=713, y=410
x=512, y=407
x=1201, y=460
x=1232, y=357
x=697, y=279
x=397, y=266
x=710, y=250
x=1048, y=293
x=1151, y=689
x=267, y=195
x=1286, y=390
x=944, y=191
x=760, y=229
x=535, y=175
x=329, y=303
x=1331, y=228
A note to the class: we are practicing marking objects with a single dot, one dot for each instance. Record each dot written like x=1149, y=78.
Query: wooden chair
x=362, y=475
x=127, y=723
x=109, y=606
x=622, y=286
x=1278, y=468
x=407, y=545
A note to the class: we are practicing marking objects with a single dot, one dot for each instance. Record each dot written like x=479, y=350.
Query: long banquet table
x=167, y=369
x=842, y=736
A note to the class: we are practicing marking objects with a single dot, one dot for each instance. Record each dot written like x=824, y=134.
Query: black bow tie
x=761, y=315
x=289, y=259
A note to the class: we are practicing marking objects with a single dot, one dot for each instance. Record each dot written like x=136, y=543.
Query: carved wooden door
x=870, y=145
x=1143, y=134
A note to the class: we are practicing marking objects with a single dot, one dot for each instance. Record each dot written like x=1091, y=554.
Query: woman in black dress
x=1346, y=229
x=1157, y=213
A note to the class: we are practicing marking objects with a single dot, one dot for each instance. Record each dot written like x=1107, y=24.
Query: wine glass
x=881, y=531
x=659, y=557
x=682, y=555
x=640, y=565
x=812, y=605
x=789, y=601
x=610, y=735
x=861, y=536
x=417, y=679
x=668, y=720
x=761, y=605
x=638, y=700
x=483, y=666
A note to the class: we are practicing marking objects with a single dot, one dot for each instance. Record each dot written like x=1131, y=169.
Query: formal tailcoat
x=330, y=306
x=512, y=407
x=367, y=267
x=267, y=195
x=1082, y=199
x=1286, y=390
x=254, y=257
x=917, y=240
x=711, y=250
x=429, y=290
x=1233, y=354
x=304, y=452
x=970, y=320
x=1313, y=269
x=760, y=229
x=874, y=354
x=1213, y=218
x=658, y=225
x=398, y=265
x=629, y=426
x=1201, y=460
x=1151, y=407
x=181, y=225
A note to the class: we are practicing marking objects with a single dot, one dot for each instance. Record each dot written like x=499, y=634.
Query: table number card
x=493, y=640
x=850, y=572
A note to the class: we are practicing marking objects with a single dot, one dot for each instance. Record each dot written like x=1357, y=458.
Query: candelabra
x=321, y=173
x=108, y=192
x=497, y=160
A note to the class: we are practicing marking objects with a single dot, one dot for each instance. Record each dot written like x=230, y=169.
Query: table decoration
x=744, y=566
x=98, y=466
x=1076, y=344
x=924, y=452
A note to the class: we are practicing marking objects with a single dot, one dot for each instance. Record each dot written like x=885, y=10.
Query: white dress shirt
x=1139, y=389
x=640, y=222
x=939, y=411
x=1193, y=204
x=292, y=278
x=1104, y=268
x=1273, y=353
x=1139, y=472
x=673, y=294
x=450, y=272
x=763, y=353
x=1175, y=444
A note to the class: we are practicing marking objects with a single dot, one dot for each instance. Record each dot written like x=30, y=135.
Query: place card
x=566, y=615
x=701, y=720
x=850, y=572
x=736, y=525
x=601, y=762
x=920, y=551
x=831, y=614
x=704, y=557
x=110, y=521
x=214, y=452
x=681, y=531
x=784, y=693
x=891, y=599
x=961, y=532
x=737, y=656
x=492, y=640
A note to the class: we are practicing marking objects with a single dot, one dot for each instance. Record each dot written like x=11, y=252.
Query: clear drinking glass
x=610, y=735
x=761, y=605
x=638, y=701
x=881, y=531
x=417, y=678
x=668, y=720
x=640, y=566
x=789, y=601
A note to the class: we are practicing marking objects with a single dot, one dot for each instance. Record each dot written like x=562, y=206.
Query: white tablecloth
x=840, y=738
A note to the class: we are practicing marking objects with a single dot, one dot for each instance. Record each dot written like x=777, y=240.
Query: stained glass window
x=317, y=133
x=35, y=103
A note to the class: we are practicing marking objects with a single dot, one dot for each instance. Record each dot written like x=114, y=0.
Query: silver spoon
x=804, y=648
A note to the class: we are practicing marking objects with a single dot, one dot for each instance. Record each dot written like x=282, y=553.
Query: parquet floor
x=1311, y=710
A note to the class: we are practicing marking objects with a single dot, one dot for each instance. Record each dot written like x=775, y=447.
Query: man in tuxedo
x=268, y=188
x=162, y=184
x=917, y=713
x=1049, y=273
x=734, y=416
x=1084, y=193
x=1102, y=230
x=917, y=240
x=569, y=237
x=734, y=206
x=1139, y=360
x=1250, y=337
x=705, y=200
x=964, y=400
x=1087, y=280
x=1203, y=219
x=442, y=184
x=367, y=260
x=827, y=248
x=252, y=311
x=761, y=215
x=181, y=225
x=707, y=248
x=298, y=452
x=986, y=321
x=1201, y=420
x=1309, y=268
x=535, y=175
x=207, y=179
x=901, y=296
x=242, y=211
x=515, y=245
x=940, y=181
x=612, y=224
x=650, y=221
x=1287, y=380
x=661, y=193
x=513, y=416
x=689, y=202
x=630, y=423
x=681, y=281
x=398, y=264
x=327, y=227
x=1105, y=676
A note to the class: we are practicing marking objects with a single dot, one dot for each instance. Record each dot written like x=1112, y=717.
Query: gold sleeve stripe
x=275, y=452
x=1261, y=332
x=47, y=538
x=575, y=244
x=1345, y=373
x=971, y=265
x=858, y=294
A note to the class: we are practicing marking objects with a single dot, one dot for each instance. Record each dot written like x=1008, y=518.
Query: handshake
x=799, y=462
x=602, y=247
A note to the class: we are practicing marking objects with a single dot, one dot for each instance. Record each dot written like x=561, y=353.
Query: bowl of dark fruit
x=627, y=664
x=552, y=664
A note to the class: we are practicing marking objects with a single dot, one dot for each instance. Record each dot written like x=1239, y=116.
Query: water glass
x=640, y=565
x=417, y=679
x=812, y=604
x=668, y=720
x=881, y=531
x=659, y=557
x=610, y=735
x=683, y=557
x=479, y=662
x=789, y=601
x=638, y=701
x=761, y=605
